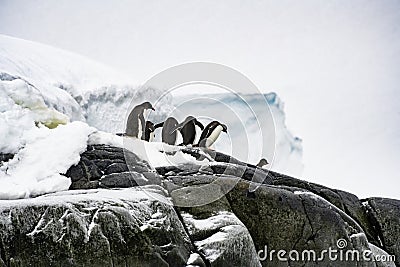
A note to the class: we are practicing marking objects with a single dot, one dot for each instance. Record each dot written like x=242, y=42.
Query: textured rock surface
x=93, y=228
x=216, y=231
x=216, y=220
x=106, y=167
x=282, y=219
x=386, y=215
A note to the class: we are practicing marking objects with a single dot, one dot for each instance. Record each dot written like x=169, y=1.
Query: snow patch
x=211, y=223
x=36, y=169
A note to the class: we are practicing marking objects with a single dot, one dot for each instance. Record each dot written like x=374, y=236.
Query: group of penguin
x=139, y=128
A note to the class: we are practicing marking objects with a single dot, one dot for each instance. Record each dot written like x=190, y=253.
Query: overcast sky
x=335, y=64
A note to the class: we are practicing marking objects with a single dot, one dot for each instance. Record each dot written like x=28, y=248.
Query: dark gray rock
x=248, y=173
x=283, y=219
x=385, y=213
x=5, y=157
x=93, y=228
x=85, y=170
x=121, y=180
x=345, y=201
x=7, y=77
x=129, y=179
x=116, y=168
x=109, y=167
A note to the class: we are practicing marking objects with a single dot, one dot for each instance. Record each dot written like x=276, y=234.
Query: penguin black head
x=147, y=105
x=262, y=163
x=196, y=122
x=187, y=120
x=224, y=128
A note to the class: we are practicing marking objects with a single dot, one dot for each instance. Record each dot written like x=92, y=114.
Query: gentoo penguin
x=187, y=129
x=149, y=131
x=168, y=125
x=262, y=163
x=211, y=133
x=135, y=126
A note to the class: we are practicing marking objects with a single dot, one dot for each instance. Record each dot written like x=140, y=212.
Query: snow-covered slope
x=42, y=63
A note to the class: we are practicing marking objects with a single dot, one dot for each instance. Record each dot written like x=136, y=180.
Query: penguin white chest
x=140, y=129
x=152, y=135
x=213, y=136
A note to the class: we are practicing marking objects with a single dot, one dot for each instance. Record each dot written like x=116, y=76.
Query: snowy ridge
x=46, y=64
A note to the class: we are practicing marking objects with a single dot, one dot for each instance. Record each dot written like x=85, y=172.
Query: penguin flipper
x=177, y=127
x=199, y=124
x=158, y=125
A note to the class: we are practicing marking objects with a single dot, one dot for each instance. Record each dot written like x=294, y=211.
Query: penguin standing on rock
x=263, y=162
x=135, y=126
x=187, y=129
x=211, y=133
x=168, y=136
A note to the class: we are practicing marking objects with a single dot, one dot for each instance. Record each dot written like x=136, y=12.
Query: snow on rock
x=222, y=238
x=195, y=260
x=157, y=154
x=36, y=169
x=145, y=193
x=212, y=223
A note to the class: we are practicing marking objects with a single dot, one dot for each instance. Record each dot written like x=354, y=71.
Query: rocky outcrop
x=193, y=215
x=93, y=228
x=107, y=167
x=385, y=215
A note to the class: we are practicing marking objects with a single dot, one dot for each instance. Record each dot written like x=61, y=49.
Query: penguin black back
x=168, y=135
x=188, y=130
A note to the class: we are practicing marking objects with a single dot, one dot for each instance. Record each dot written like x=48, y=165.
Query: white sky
x=335, y=64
